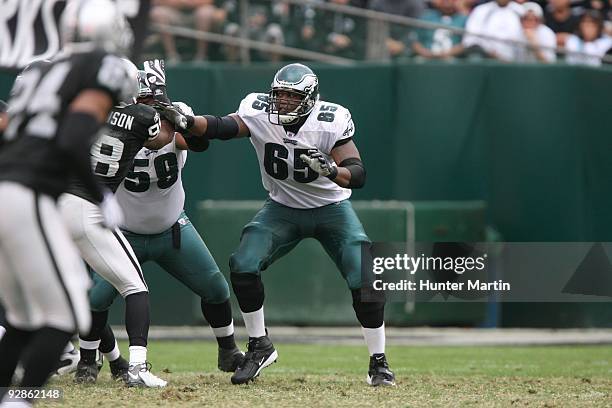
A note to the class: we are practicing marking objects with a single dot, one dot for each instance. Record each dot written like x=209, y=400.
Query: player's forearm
x=351, y=174
x=215, y=127
x=343, y=178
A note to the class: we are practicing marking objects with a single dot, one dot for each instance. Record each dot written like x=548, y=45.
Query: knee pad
x=371, y=314
x=249, y=291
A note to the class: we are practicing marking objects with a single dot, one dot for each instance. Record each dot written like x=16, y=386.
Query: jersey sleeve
x=342, y=130
x=254, y=105
x=109, y=73
x=253, y=110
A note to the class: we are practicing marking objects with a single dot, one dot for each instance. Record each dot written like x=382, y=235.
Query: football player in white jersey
x=158, y=230
x=309, y=163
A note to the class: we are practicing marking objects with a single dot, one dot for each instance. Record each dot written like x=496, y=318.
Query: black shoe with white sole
x=260, y=354
x=229, y=359
x=379, y=372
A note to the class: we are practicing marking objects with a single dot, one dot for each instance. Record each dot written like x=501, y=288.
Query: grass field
x=316, y=375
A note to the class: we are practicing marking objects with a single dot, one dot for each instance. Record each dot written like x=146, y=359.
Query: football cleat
x=139, y=375
x=86, y=373
x=119, y=369
x=229, y=360
x=68, y=362
x=260, y=354
x=379, y=372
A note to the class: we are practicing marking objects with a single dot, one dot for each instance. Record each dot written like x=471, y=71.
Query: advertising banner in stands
x=29, y=29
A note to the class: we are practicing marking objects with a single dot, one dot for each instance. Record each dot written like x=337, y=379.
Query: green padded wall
x=533, y=141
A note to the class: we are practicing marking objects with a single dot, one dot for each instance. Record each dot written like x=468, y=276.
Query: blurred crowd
x=574, y=31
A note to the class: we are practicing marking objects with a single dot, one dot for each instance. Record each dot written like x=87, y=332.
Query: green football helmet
x=293, y=94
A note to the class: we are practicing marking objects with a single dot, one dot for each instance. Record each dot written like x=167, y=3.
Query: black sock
x=98, y=321
x=107, y=340
x=12, y=346
x=137, y=318
x=88, y=356
x=219, y=315
x=44, y=350
x=227, y=342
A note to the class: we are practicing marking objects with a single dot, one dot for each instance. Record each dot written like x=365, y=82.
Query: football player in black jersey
x=107, y=252
x=55, y=111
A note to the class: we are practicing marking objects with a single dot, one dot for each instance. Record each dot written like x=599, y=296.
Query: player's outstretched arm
x=348, y=173
x=197, y=131
x=219, y=127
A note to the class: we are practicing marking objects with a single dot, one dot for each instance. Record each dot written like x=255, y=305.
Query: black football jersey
x=127, y=129
x=39, y=102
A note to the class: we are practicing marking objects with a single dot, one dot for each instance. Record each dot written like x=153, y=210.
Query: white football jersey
x=152, y=195
x=285, y=176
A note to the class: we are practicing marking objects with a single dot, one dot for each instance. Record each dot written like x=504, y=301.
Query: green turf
x=318, y=375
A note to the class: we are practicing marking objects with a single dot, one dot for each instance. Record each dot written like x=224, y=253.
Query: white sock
x=138, y=355
x=114, y=353
x=254, y=323
x=89, y=345
x=69, y=348
x=2, y=331
x=224, y=331
x=375, y=339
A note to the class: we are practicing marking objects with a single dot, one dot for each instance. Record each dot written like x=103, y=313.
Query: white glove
x=111, y=211
x=183, y=108
x=173, y=115
x=319, y=163
x=156, y=72
x=156, y=75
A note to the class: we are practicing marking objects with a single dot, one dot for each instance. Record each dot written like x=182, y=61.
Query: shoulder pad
x=331, y=117
x=144, y=114
x=254, y=104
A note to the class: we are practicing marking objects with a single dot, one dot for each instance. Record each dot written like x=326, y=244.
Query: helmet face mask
x=293, y=94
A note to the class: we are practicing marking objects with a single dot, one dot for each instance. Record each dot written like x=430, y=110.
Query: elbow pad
x=358, y=173
x=222, y=128
x=196, y=143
